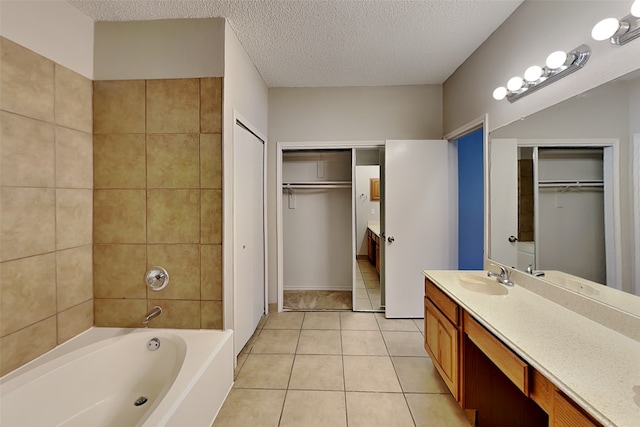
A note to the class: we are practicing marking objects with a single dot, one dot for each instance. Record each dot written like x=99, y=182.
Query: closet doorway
x=316, y=229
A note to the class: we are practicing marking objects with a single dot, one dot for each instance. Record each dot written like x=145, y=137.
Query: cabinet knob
x=513, y=239
x=391, y=239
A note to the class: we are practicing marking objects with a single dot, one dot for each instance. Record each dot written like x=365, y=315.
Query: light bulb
x=635, y=9
x=533, y=73
x=556, y=59
x=515, y=83
x=500, y=93
x=605, y=29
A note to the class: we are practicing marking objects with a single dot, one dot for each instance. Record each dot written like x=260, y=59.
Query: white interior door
x=248, y=245
x=503, y=173
x=417, y=221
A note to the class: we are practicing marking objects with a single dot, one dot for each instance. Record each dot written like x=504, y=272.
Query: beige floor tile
x=314, y=408
x=417, y=375
x=284, y=320
x=419, y=324
x=359, y=321
x=363, y=343
x=265, y=371
x=370, y=373
x=435, y=410
x=251, y=408
x=378, y=409
x=385, y=324
x=319, y=342
x=321, y=320
x=311, y=372
x=279, y=341
x=405, y=343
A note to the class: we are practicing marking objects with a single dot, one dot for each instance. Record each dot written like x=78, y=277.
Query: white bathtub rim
x=96, y=338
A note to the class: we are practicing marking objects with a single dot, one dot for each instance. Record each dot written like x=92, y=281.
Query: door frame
x=611, y=166
x=228, y=296
x=635, y=171
x=307, y=145
x=467, y=128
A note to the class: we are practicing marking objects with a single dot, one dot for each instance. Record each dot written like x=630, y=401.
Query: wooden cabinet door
x=448, y=357
x=441, y=342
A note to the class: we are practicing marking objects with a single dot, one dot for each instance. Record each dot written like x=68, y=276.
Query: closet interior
x=317, y=232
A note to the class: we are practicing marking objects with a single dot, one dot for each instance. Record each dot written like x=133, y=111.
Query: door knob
x=390, y=239
x=513, y=239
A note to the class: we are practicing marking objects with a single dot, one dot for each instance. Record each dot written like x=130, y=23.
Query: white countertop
x=595, y=366
x=374, y=226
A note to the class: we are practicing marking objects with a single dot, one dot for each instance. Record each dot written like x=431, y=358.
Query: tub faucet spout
x=155, y=312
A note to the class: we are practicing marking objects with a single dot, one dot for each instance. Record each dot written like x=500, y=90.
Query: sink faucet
x=502, y=277
x=535, y=273
x=155, y=312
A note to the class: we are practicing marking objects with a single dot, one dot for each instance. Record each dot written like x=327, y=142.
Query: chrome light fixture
x=619, y=31
x=558, y=65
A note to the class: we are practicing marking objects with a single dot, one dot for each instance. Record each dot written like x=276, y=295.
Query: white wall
x=533, y=31
x=172, y=48
x=317, y=250
x=53, y=29
x=364, y=205
x=244, y=93
x=308, y=115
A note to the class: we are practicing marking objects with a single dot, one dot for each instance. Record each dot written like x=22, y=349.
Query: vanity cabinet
x=442, y=336
x=493, y=385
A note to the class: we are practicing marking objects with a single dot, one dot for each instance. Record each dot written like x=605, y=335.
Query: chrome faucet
x=155, y=312
x=502, y=277
x=535, y=273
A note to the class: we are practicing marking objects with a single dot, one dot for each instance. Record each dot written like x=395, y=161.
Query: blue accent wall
x=471, y=201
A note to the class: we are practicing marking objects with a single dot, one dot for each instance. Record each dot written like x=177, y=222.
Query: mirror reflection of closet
x=368, y=288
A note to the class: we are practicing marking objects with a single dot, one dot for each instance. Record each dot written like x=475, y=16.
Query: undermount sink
x=482, y=284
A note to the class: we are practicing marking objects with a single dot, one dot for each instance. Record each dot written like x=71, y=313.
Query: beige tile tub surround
x=46, y=183
x=157, y=201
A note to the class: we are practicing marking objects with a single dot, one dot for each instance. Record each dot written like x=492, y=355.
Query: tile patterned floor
x=338, y=369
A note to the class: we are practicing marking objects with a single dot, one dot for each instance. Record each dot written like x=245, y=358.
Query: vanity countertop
x=374, y=226
x=595, y=366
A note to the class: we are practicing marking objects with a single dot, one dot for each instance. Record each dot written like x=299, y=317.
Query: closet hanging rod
x=284, y=184
x=568, y=184
x=314, y=186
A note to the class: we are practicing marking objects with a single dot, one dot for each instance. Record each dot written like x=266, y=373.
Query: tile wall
x=158, y=201
x=46, y=181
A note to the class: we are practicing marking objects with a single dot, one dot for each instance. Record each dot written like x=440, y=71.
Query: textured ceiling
x=314, y=43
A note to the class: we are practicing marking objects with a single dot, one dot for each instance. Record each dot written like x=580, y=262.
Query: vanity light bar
x=619, y=32
x=559, y=64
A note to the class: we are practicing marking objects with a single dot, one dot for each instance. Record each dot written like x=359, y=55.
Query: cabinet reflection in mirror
x=565, y=190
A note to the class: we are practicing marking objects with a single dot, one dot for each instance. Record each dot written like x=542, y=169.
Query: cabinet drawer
x=507, y=361
x=542, y=391
x=442, y=301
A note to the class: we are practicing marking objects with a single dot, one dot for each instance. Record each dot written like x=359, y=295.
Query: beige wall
x=53, y=29
x=46, y=186
x=534, y=30
x=163, y=49
x=157, y=201
x=344, y=114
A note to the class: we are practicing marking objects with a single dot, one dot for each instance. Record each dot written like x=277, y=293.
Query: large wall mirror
x=565, y=192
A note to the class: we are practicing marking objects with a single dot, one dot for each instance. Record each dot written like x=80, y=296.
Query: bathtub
x=97, y=378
